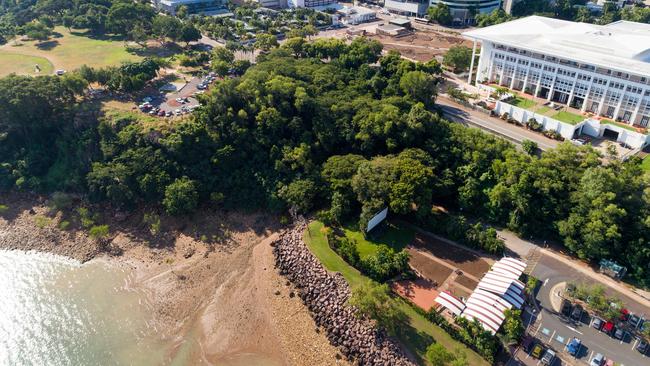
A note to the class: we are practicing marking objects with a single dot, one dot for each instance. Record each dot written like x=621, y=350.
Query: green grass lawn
x=542, y=109
x=23, y=65
x=645, y=164
x=73, y=49
x=618, y=124
x=391, y=235
x=522, y=102
x=568, y=117
x=419, y=333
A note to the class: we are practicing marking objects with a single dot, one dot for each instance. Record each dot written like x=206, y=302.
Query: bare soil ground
x=210, y=278
x=458, y=257
x=428, y=268
x=466, y=281
x=422, y=45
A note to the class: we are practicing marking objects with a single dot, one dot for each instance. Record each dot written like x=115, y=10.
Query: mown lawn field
x=69, y=50
x=23, y=65
x=393, y=236
x=419, y=333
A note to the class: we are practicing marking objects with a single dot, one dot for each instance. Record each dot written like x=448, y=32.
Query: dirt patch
x=421, y=45
x=420, y=292
x=459, y=292
x=466, y=281
x=463, y=259
x=428, y=268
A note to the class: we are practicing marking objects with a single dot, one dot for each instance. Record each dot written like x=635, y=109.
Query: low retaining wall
x=326, y=295
x=566, y=130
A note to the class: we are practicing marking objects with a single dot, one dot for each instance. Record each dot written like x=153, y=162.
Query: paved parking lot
x=556, y=331
x=169, y=102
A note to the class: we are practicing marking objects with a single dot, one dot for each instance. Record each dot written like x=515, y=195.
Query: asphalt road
x=556, y=331
x=460, y=114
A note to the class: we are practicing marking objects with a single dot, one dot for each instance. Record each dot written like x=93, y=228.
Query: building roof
x=451, y=302
x=621, y=45
x=498, y=291
x=400, y=21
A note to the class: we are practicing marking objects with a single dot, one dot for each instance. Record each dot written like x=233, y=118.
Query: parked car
x=168, y=114
x=578, y=142
x=634, y=320
x=597, y=360
x=549, y=357
x=597, y=323
x=566, y=308
x=608, y=327
x=573, y=347
x=609, y=363
x=624, y=314
x=60, y=72
x=161, y=113
x=620, y=334
x=642, y=346
x=537, y=351
x=201, y=86
x=576, y=314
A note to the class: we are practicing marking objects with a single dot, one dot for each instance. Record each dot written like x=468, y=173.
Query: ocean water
x=55, y=311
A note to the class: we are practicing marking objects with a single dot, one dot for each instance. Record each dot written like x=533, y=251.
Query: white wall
x=566, y=130
x=634, y=139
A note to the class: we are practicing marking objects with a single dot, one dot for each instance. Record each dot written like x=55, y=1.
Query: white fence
x=566, y=130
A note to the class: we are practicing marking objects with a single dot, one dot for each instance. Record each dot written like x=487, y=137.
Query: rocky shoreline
x=325, y=295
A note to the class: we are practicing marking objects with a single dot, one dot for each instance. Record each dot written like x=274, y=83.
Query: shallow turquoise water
x=56, y=311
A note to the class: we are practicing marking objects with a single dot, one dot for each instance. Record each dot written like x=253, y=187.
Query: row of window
x=553, y=59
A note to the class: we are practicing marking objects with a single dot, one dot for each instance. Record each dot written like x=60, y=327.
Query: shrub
x=64, y=225
x=181, y=196
x=385, y=264
x=153, y=220
x=98, y=231
x=345, y=247
x=534, y=125
x=529, y=147
x=60, y=201
x=3, y=209
x=87, y=220
x=42, y=221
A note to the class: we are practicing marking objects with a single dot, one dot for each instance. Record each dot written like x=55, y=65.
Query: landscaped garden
x=419, y=332
x=618, y=124
x=568, y=117
x=522, y=102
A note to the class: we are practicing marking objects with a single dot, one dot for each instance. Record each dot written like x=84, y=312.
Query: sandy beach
x=210, y=281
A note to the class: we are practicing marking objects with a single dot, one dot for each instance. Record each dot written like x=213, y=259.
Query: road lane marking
x=545, y=282
x=551, y=338
x=574, y=329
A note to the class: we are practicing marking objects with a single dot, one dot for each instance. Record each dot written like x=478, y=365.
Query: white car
x=60, y=72
x=597, y=360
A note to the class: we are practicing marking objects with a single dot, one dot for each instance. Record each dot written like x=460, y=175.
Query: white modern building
x=309, y=3
x=462, y=11
x=193, y=6
x=604, y=70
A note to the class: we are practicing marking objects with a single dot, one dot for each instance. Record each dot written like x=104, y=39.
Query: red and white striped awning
x=510, y=267
x=451, y=302
x=499, y=290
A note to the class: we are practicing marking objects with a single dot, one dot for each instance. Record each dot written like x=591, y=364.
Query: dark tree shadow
x=47, y=45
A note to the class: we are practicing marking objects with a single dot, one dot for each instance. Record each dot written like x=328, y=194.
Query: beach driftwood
x=325, y=295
